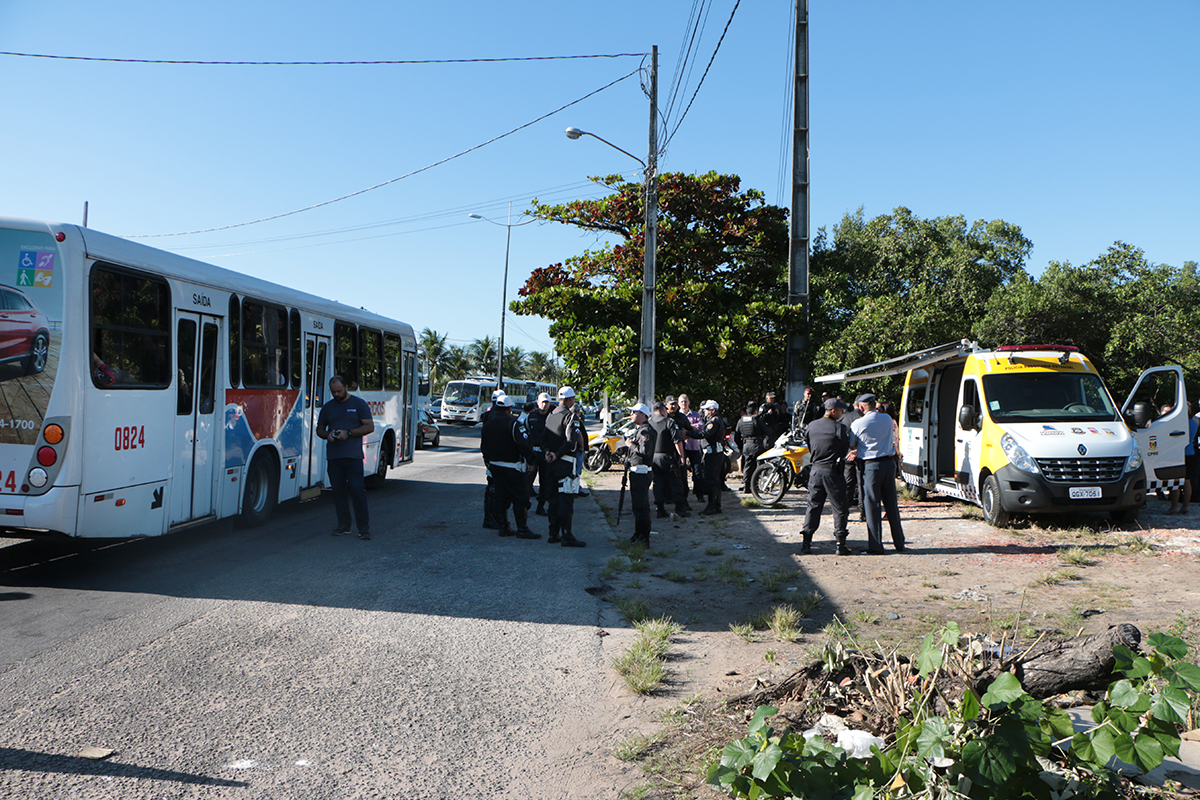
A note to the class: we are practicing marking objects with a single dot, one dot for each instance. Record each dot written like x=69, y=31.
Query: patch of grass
x=676, y=576
x=773, y=581
x=663, y=553
x=929, y=584
x=1078, y=556
x=864, y=617
x=935, y=597
x=750, y=501
x=634, y=609
x=808, y=603
x=637, y=565
x=1134, y=544
x=700, y=573
x=1056, y=578
x=633, y=748
x=969, y=512
x=948, y=573
x=714, y=550
x=784, y=622
x=729, y=572
x=639, y=792
x=616, y=564
x=632, y=550
x=744, y=630
x=635, y=583
x=643, y=663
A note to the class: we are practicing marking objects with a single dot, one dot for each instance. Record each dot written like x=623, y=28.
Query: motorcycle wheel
x=597, y=459
x=769, y=484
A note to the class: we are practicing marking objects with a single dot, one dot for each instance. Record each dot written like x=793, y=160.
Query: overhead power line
x=393, y=180
x=316, y=63
x=705, y=75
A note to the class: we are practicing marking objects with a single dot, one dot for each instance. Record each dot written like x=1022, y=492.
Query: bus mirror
x=966, y=418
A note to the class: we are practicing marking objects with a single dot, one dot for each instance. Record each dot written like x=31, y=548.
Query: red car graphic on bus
x=24, y=331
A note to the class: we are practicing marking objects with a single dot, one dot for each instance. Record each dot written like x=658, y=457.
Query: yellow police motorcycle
x=786, y=464
x=608, y=448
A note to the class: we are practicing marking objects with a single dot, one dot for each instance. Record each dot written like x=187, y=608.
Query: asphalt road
x=436, y=660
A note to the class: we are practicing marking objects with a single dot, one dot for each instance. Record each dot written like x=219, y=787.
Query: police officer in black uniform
x=714, y=455
x=641, y=454
x=688, y=432
x=665, y=464
x=828, y=443
x=489, y=492
x=508, y=454
x=775, y=421
x=560, y=447
x=535, y=425
x=748, y=436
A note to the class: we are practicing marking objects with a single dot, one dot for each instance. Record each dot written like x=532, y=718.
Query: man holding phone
x=343, y=423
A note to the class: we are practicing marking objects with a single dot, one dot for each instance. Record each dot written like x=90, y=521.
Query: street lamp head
x=474, y=216
x=574, y=133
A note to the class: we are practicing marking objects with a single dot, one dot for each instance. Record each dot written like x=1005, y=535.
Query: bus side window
x=130, y=330
x=370, y=349
x=264, y=345
x=294, y=348
x=235, y=341
x=345, y=353
x=393, y=370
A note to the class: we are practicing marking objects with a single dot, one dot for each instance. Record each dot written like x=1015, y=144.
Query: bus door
x=317, y=351
x=195, y=477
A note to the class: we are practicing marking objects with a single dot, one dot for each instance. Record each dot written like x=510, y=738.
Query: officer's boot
x=806, y=545
x=491, y=520
x=554, y=538
x=569, y=540
x=504, y=529
x=842, y=550
x=522, y=517
x=662, y=511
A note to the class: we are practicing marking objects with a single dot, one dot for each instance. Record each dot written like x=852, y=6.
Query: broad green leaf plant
x=999, y=745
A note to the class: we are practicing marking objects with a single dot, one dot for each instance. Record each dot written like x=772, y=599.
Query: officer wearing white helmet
x=713, y=429
x=508, y=454
x=560, y=446
x=489, y=492
x=641, y=455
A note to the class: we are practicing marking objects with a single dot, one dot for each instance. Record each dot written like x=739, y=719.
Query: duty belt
x=711, y=449
x=517, y=465
x=639, y=469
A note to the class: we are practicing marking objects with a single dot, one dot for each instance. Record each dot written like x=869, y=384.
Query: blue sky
x=1075, y=120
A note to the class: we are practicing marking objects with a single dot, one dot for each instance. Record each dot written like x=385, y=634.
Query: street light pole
x=650, y=238
x=504, y=289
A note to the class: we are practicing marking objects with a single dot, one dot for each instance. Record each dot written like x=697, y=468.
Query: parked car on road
x=428, y=432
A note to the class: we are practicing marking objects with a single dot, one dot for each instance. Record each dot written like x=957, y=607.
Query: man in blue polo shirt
x=343, y=423
x=874, y=437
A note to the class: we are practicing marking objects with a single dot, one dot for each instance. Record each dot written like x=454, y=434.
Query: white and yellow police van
x=1033, y=429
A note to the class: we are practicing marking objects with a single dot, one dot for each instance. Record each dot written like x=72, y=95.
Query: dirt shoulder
x=1056, y=576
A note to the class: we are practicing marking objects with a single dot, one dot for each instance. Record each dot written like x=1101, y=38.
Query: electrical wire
x=394, y=180
x=705, y=75
x=315, y=63
x=684, y=62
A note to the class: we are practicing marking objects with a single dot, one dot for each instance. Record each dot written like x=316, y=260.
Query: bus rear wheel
x=381, y=467
x=261, y=494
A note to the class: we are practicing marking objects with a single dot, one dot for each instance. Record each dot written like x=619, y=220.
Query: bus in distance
x=463, y=402
x=145, y=392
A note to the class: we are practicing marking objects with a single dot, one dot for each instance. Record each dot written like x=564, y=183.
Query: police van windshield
x=1048, y=397
x=460, y=394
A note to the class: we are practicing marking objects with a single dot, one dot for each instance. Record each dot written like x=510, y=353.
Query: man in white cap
x=641, y=456
x=714, y=455
x=506, y=450
x=560, y=446
x=874, y=436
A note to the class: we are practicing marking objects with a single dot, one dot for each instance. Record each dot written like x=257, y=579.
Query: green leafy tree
x=898, y=283
x=722, y=311
x=457, y=363
x=516, y=362
x=541, y=367
x=1124, y=312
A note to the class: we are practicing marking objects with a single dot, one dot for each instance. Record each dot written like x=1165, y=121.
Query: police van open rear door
x=1160, y=436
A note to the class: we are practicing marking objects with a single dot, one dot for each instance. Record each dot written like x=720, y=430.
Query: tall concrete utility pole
x=798, y=242
x=649, y=276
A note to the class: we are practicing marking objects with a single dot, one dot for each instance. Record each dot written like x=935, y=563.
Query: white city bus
x=144, y=392
x=463, y=402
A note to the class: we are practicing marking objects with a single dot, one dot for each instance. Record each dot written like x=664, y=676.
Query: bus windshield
x=1048, y=397
x=461, y=394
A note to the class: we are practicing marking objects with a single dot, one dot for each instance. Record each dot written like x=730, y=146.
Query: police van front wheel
x=989, y=498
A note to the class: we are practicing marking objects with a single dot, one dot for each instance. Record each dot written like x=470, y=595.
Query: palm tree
x=516, y=362
x=433, y=345
x=483, y=355
x=456, y=364
x=540, y=367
